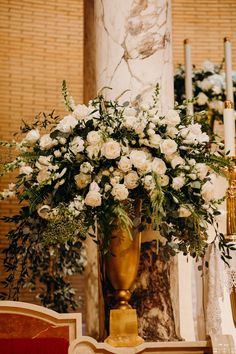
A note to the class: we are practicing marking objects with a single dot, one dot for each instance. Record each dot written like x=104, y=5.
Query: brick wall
x=205, y=23
x=41, y=44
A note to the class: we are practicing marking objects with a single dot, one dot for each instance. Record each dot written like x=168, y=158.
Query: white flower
x=86, y=167
x=158, y=166
x=151, y=132
x=62, y=140
x=93, y=151
x=94, y=138
x=205, y=85
x=111, y=149
x=148, y=182
x=172, y=132
x=202, y=170
x=57, y=153
x=155, y=140
x=46, y=142
x=81, y=111
x=184, y=212
x=164, y=180
x=131, y=180
x=67, y=124
x=26, y=170
x=176, y=161
x=120, y=192
x=168, y=146
x=93, y=199
x=138, y=159
x=207, y=191
x=208, y=66
x=172, y=118
x=178, y=182
x=125, y=164
x=129, y=111
x=32, y=136
x=82, y=180
x=44, y=162
x=202, y=99
x=94, y=187
x=130, y=122
x=217, y=106
x=76, y=145
x=43, y=175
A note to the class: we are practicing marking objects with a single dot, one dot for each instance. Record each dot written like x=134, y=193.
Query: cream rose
x=131, y=180
x=168, y=147
x=177, y=161
x=93, y=199
x=43, y=175
x=130, y=122
x=120, y=192
x=155, y=140
x=178, y=182
x=202, y=170
x=125, y=164
x=32, y=136
x=76, y=145
x=207, y=191
x=202, y=99
x=94, y=138
x=86, y=167
x=67, y=124
x=158, y=166
x=172, y=118
x=138, y=159
x=26, y=170
x=184, y=212
x=82, y=180
x=111, y=149
x=46, y=142
x=148, y=182
x=81, y=111
x=93, y=151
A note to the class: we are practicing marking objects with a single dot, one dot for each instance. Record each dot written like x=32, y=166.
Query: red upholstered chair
x=30, y=329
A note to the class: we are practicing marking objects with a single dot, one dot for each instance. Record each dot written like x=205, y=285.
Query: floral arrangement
x=87, y=170
x=209, y=89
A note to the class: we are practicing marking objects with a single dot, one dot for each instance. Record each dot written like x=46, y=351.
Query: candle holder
x=231, y=203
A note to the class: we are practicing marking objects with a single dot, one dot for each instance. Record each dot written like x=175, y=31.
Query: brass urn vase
x=121, y=268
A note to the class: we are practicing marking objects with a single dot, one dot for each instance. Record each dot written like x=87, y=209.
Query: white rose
x=26, y=170
x=93, y=199
x=177, y=160
x=202, y=170
x=43, y=175
x=203, y=138
x=205, y=85
x=94, y=138
x=151, y=132
x=82, y=180
x=57, y=153
x=148, y=182
x=94, y=187
x=184, y=212
x=130, y=122
x=120, y=192
x=178, y=182
x=93, y=151
x=44, y=162
x=32, y=136
x=131, y=180
x=202, y=99
x=138, y=159
x=164, y=180
x=217, y=106
x=76, y=145
x=168, y=146
x=207, y=191
x=67, y=124
x=155, y=140
x=86, y=167
x=158, y=166
x=125, y=164
x=208, y=66
x=111, y=149
x=172, y=118
x=46, y=142
x=172, y=132
x=81, y=111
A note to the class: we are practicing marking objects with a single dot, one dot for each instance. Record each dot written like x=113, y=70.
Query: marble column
x=128, y=51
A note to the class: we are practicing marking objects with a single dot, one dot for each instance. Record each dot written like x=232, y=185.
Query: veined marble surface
x=133, y=49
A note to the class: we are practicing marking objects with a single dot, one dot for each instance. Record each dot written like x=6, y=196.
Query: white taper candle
x=188, y=75
x=228, y=70
x=229, y=128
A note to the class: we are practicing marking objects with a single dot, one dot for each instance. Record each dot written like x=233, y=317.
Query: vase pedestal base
x=123, y=329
